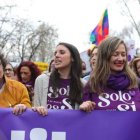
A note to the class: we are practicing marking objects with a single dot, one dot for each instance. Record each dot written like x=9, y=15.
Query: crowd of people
x=113, y=83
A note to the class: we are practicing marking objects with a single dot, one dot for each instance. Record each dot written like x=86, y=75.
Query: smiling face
x=118, y=59
x=62, y=58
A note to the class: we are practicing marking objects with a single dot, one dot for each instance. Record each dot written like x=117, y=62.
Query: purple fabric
x=30, y=87
x=116, y=95
x=129, y=58
x=29, y=83
x=60, y=101
x=118, y=81
x=77, y=125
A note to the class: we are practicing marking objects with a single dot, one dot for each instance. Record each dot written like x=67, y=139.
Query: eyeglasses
x=8, y=70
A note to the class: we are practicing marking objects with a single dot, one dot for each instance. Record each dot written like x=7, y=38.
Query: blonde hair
x=133, y=65
x=102, y=70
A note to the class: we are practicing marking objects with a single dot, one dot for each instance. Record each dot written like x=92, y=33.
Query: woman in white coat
x=62, y=88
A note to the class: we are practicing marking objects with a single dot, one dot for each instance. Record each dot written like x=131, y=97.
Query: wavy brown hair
x=133, y=65
x=35, y=71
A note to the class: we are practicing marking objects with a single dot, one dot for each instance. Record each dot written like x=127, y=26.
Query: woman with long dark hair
x=62, y=88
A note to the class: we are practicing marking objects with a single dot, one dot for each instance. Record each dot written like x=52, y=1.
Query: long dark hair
x=75, y=74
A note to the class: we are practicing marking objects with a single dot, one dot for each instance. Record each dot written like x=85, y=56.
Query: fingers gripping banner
x=70, y=125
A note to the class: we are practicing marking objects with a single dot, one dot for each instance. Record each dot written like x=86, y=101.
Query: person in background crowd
x=27, y=72
x=83, y=68
x=12, y=93
x=9, y=71
x=92, y=53
x=51, y=66
x=62, y=88
x=135, y=65
x=113, y=85
x=93, y=57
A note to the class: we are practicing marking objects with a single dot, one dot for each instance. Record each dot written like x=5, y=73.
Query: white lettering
x=133, y=106
x=38, y=134
x=49, y=106
x=126, y=97
x=114, y=97
x=50, y=95
x=62, y=91
x=17, y=135
x=123, y=107
x=55, y=107
x=58, y=135
x=122, y=99
x=67, y=104
x=51, y=89
x=105, y=100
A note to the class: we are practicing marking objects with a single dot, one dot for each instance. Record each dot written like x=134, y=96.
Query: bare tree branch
x=132, y=18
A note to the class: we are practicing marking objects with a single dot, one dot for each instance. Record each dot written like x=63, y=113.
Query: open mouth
x=57, y=62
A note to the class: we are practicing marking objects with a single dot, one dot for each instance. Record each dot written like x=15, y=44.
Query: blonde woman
x=113, y=85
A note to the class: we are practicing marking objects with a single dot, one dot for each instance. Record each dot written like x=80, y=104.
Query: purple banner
x=70, y=125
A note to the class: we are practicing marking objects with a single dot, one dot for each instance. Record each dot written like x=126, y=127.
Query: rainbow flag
x=101, y=30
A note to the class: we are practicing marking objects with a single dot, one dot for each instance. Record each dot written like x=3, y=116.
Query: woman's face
x=118, y=59
x=25, y=74
x=9, y=72
x=62, y=58
x=93, y=58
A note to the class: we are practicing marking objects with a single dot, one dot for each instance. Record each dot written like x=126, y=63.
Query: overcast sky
x=74, y=19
